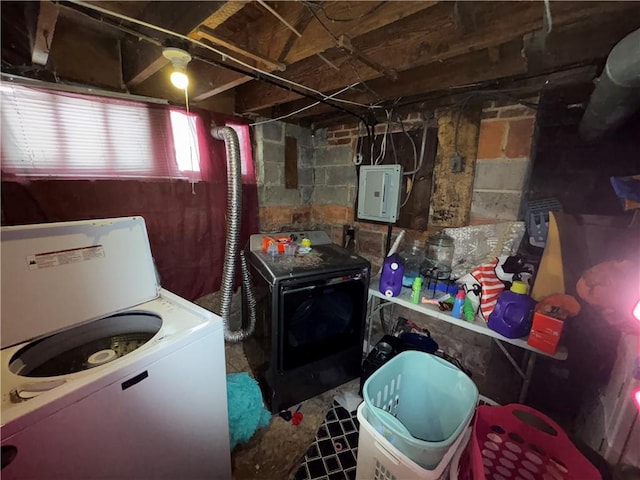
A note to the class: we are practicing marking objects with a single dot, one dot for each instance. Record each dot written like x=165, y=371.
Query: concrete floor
x=275, y=451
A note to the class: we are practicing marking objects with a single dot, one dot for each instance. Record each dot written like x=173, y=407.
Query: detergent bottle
x=512, y=315
x=391, y=277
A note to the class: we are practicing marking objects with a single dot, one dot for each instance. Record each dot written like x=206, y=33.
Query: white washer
x=104, y=373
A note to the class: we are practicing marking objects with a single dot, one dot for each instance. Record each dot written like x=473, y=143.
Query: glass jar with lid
x=436, y=268
x=413, y=257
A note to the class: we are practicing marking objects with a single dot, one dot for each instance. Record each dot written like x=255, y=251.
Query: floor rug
x=333, y=453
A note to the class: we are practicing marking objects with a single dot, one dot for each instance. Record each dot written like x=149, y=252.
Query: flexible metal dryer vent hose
x=234, y=215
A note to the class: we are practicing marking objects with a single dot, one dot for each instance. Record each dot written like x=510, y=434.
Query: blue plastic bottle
x=456, y=311
x=512, y=314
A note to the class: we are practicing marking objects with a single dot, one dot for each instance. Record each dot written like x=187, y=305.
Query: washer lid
x=57, y=275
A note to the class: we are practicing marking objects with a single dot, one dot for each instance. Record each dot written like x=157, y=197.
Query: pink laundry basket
x=516, y=442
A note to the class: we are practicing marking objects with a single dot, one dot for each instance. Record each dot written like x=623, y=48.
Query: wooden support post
x=291, y=163
x=47, y=19
x=452, y=195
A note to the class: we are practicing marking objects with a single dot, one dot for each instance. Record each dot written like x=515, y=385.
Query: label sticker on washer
x=64, y=257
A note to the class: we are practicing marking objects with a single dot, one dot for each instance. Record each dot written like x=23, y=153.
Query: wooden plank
x=226, y=80
x=147, y=59
x=290, y=162
x=271, y=38
x=566, y=45
x=452, y=194
x=415, y=214
x=300, y=25
x=346, y=46
x=463, y=69
x=576, y=42
x=142, y=61
x=221, y=82
x=205, y=32
x=268, y=35
x=224, y=13
x=83, y=54
x=426, y=38
x=47, y=18
x=519, y=87
x=315, y=39
x=181, y=17
x=18, y=26
x=213, y=79
x=465, y=15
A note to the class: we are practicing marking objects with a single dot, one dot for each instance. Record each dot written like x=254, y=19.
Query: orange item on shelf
x=546, y=330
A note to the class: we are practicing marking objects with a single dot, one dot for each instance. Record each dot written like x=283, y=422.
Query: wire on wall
x=194, y=136
x=303, y=108
x=310, y=6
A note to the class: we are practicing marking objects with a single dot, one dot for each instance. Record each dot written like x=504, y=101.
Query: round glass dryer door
x=86, y=346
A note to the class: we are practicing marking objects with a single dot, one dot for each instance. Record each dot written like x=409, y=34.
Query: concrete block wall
x=326, y=193
x=325, y=197
x=281, y=207
x=335, y=176
x=503, y=163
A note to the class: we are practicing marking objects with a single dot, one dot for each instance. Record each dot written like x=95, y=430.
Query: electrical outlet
x=349, y=237
x=457, y=163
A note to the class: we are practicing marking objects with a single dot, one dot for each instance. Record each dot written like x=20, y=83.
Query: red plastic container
x=546, y=330
x=516, y=441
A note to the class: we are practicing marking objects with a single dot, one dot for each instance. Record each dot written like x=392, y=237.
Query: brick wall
x=503, y=163
x=325, y=198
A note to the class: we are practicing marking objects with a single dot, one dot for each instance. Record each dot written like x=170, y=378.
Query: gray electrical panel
x=379, y=193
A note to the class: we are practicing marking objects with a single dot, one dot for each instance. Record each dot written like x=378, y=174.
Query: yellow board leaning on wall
x=550, y=278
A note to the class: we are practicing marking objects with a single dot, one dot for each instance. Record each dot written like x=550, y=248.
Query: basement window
x=55, y=134
x=185, y=141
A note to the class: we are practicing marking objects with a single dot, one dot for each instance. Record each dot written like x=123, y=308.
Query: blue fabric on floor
x=246, y=409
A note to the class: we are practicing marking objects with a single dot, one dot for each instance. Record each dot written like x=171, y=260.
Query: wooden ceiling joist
x=274, y=40
x=161, y=16
x=205, y=32
x=381, y=50
x=47, y=18
x=414, y=41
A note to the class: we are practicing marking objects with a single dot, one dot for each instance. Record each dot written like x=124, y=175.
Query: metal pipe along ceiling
x=617, y=93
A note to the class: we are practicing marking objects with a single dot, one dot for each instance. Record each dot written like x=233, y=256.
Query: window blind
x=59, y=134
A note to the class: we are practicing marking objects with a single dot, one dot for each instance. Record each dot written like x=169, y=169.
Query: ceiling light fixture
x=179, y=59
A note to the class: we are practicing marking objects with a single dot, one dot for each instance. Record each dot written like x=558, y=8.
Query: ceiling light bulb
x=179, y=79
x=179, y=59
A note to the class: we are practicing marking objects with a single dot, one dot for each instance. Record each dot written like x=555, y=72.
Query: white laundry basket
x=380, y=460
